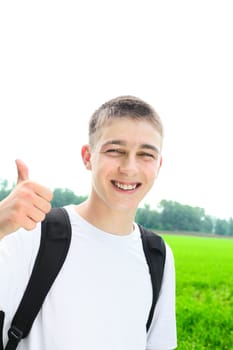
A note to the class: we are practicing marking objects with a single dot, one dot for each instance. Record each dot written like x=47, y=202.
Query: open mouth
x=125, y=186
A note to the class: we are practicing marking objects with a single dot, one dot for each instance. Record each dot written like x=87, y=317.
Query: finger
x=28, y=224
x=42, y=205
x=36, y=215
x=43, y=192
x=29, y=215
x=22, y=170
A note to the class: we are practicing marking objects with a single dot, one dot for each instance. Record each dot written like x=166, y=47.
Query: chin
x=124, y=207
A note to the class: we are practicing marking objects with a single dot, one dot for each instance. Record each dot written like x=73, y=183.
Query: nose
x=129, y=166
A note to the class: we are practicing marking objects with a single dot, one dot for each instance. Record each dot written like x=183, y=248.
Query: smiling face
x=124, y=162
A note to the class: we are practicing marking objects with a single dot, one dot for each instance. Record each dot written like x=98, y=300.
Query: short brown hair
x=123, y=107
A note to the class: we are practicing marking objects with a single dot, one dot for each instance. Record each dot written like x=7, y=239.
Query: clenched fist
x=26, y=205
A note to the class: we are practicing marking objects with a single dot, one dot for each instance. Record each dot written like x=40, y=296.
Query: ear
x=86, y=156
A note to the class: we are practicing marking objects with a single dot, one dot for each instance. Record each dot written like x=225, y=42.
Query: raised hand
x=26, y=205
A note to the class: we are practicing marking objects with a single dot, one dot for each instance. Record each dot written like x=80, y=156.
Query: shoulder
x=152, y=239
x=154, y=242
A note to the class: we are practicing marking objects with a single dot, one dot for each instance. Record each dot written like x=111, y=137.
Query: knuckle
x=25, y=194
x=49, y=195
x=49, y=207
x=28, y=196
x=30, y=225
x=41, y=217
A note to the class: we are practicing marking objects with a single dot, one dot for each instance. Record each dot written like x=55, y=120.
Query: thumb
x=22, y=170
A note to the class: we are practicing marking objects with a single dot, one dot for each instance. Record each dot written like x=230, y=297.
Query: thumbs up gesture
x=26, y=205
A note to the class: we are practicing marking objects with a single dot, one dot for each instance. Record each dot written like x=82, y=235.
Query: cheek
x=157, y=166
x=152, y=171
x=106, y=164
x=103, y=167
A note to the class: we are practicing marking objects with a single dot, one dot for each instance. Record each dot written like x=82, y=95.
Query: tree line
x=169, y=215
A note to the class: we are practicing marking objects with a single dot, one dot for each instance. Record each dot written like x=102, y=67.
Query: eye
x=148, y=156
x=115, y=151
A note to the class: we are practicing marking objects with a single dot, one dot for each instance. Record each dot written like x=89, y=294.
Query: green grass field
x=204, y=276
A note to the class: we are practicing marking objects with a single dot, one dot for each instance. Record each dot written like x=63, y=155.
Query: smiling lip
x=126, y=186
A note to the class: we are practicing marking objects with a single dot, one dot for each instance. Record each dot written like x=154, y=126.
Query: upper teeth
x=125, y=187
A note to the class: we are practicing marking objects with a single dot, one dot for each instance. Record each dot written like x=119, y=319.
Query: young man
x=102, y=296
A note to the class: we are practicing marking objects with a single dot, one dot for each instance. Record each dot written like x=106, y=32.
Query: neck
x=107, y=219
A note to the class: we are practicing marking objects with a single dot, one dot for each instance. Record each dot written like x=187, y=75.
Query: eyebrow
x=123, y=143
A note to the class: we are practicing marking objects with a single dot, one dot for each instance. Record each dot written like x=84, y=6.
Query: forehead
x=128, y=132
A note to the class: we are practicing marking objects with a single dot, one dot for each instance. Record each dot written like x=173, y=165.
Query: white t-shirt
x=101, y=298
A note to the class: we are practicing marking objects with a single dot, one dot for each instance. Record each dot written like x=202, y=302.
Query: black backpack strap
x=155, y=253
x=54, y=246
x=2, y=315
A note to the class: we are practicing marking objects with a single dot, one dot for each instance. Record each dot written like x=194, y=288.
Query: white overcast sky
x=59, y=60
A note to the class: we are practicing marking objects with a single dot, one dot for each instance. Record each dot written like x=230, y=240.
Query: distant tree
x=230, y=227
x=148, y=218
x=62, y=197
x=207, y=224
x=180, y=217
x=4, y=189
x=221, y=227
x=168, y=219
